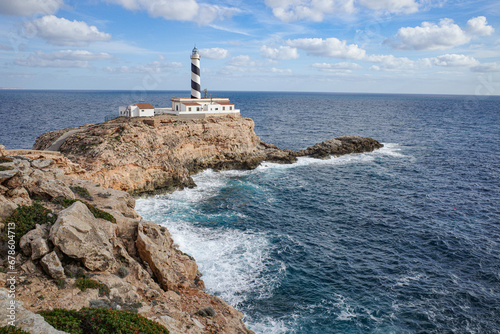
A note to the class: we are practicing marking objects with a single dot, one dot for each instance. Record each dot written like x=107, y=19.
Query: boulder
x=6, y=207
x=155, y=247
x=35, y=243
x=78, y=234
x=3, y=152
x=41, y=163
x=52, y=265
x=51, y=189
x=23, y=319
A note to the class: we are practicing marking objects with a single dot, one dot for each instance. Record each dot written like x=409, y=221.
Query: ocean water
x=405, y=239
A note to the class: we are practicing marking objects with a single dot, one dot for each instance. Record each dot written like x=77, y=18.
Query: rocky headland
x=86, y=246
x=161, y=153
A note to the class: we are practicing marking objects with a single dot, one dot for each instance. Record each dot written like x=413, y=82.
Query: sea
x=405, y=239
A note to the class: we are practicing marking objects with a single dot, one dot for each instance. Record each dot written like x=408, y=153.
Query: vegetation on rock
x=24, y=219
x=82, y=192
x=12, y=330
x=5, y=159
x=101, y=321
x=98, y=213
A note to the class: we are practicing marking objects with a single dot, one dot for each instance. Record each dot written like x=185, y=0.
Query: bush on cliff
x=12, y=330
x=101, y=321
x=98, y=213
x=24, y=219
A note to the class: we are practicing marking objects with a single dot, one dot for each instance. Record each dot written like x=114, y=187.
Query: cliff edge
x=141, y=155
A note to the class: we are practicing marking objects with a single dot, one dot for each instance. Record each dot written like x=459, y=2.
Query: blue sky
x=373, y=46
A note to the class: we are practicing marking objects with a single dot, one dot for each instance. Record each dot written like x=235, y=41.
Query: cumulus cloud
x=214, y=53
x=243, y=61
x=478, y=26
x=29, y=7
x=281, y=70
x=62, y=58
x=6, y=47
x=442, y=36
x=60, y=31
x=281, y=53
x=454, y=60
x=342, y=67
x=392, y=6
x=158, y=66
x=487, y=68
x=330, y=47
x=181, y=10
x=316, y=10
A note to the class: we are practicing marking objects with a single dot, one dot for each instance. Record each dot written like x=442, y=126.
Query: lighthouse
x=195, y=75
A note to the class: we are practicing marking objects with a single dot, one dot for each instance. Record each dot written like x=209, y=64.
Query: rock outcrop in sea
x=91, y=231
x=161, y=154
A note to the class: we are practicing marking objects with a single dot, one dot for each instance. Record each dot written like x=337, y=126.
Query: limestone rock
x=35, y=242
x=24, y=319
x=52, y=265
x=6, y=207
x=155, y=247
x=3, y=152
x=41, y=163
x=78, y=234
x=51, y=189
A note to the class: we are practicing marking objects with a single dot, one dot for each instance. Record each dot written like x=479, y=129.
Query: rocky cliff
x=91, y=249
x=160, y=154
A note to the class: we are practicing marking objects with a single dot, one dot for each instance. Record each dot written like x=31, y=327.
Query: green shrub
x=24, y=218
x=98, y=213
x=86, y=283
x=103, y=290
x=101, y=321
x=5, y=159
x=3, y=168
x=12, y=330
x=122, y=272
x=82, y=192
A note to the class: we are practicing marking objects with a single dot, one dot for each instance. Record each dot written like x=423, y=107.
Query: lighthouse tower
x=195, y=75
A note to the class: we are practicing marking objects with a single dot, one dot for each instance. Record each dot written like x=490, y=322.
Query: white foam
x=390, y=149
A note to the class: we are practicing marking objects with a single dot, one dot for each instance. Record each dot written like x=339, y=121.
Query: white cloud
x=158, y=66
x=392, y=6
x=312, y=10
x=442, y=36
x=281, y=53
x=242, y=61
x=29, y=7
x=486, y=68
x=181, y=10
x=454, y=60
x=214, y=53
x=478, y=26
x=316, y=10
x=330, y=47
x=390, y=62
x=62, y=58
x=281, y=70
x=60, y=31
x=337, y=67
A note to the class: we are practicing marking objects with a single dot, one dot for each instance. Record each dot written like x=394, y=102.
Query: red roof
x=144, y=105
x=225, y=103
x=191, y=104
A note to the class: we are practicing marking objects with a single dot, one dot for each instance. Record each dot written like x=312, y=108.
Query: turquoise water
x=401, y=240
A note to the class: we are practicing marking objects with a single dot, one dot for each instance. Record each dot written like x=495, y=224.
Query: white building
x=194, y=107
x=137, y=110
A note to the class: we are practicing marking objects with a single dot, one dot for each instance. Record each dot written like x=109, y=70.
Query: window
x=177, y=108
x=197, y=108
x=230, y=108
x=223, y=108
x=189, y=109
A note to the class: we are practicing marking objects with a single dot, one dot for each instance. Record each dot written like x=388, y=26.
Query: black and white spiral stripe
x=195, y=77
